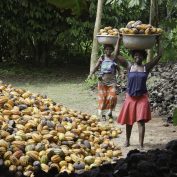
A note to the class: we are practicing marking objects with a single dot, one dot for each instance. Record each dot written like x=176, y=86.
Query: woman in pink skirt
x=136, y=107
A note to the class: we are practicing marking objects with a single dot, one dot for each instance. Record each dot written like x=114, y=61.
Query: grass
x=65, y=85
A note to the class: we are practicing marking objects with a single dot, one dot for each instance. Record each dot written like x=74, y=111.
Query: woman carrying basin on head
x=136, y=107
x=107, y=94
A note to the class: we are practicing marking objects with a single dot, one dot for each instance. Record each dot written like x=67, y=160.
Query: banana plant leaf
x=77, y=6
x=175, y=117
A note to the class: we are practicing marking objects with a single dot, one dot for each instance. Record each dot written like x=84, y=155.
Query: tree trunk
x=40, y=54
x=94, y=53
x=36, y=55
x=153, y=20
x=43, y=54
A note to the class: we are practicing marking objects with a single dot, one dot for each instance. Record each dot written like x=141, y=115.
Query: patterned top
x=108, y=79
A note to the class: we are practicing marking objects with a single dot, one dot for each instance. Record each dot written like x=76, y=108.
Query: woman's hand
x=117, y=46
x=119, y=36
x=119, y=39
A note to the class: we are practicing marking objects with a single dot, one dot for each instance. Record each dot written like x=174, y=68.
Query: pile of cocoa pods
x=153, y=163
x=38, y=134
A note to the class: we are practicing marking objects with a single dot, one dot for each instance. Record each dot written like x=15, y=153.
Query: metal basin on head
x=106, y=39
x=139, y=41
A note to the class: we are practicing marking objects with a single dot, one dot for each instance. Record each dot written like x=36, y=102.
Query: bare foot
x=141, y=147
x=103, y=117
x=127, y=144
x=110, y=116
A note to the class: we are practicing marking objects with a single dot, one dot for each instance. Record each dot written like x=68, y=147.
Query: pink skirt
x=134, y=109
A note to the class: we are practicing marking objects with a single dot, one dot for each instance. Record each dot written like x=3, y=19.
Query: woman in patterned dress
x=107, y=94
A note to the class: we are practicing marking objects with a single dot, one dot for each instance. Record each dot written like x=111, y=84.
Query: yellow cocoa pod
x=14, y=160
x=20, y=127
x=2, y=150
x=68, y=159
x=29, y=168
x=159, y=30
x=63, y=163
x=3, y=143
x=12, y=168
x=7, y=112
x=3, y=99
x=36, y=137
x=19, y=144
x=108, y=28
x=56, y=159
x=7, y=155
x=24, y=160
x=153, y=30
x=117, y=153
x=98, y=161
x=28, y=173
x=61, y=136
x=74, y=157
x=26, y=94
x=33, y=154
x=109, y=153
x=7, y=163
x=7, y=106
x=4, y=133
x=45, y=167
x=114, y=133
x=47, y=136
x=70, y=167
x=15, y=116
x=89, y=159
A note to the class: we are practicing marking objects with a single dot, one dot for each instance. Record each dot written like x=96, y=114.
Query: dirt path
x=158, y=132
x=157, y=135
x=74, y=95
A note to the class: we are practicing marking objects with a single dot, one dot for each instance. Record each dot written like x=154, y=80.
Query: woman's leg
x=141, y=129
x=112, y=100
x=128, y=134
x=110, y=113
x=101, y=101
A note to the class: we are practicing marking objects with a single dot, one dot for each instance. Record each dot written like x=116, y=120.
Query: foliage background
x=37, y=33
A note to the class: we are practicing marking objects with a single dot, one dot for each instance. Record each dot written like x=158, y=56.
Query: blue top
x=137, y=83
x=108, y=66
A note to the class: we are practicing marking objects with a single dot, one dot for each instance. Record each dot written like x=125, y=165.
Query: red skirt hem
x=134, y=109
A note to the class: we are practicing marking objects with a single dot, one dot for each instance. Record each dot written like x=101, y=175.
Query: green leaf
x=24, y=3
x=134, y=3
x=143, y=4
x=119, y=2
x=77, y=6
x=110, y=2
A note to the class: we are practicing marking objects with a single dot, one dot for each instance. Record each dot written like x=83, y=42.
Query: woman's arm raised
x=156, y=59
x=117, y=55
